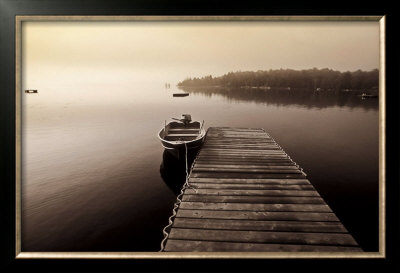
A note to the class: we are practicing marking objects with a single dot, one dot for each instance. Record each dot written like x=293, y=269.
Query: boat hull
x=176, y=149
x=179, y=150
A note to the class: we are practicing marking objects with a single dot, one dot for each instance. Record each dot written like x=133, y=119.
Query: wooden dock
x=246, y=194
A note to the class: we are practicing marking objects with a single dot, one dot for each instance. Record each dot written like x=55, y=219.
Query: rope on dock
x=178, y=200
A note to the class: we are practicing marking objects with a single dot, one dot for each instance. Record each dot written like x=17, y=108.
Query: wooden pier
x=246, y=194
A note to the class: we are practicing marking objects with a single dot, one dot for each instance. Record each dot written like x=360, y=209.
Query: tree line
x=300, y=97
x=324, y=79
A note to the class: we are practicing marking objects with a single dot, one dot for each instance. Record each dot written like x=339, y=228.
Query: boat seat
x=182, y=135
x=183, y=129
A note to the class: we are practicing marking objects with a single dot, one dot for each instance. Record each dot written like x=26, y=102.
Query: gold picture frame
x=20, y=19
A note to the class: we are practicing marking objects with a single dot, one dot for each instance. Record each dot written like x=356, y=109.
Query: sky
x=173, y=51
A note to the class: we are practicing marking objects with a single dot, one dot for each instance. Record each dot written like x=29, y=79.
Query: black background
x=10, y=8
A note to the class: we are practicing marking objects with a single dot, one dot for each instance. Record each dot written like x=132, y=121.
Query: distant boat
x=182, y=135
x=180, y=94
x=365, y=96
x=31, y=91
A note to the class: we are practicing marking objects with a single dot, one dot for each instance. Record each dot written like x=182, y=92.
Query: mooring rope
x=178, y=200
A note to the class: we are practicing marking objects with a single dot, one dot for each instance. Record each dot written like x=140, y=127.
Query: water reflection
x=173, y=170
x=82, y=196
x=282, y=97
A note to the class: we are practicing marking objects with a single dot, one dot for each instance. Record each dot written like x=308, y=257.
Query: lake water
x=91, y=177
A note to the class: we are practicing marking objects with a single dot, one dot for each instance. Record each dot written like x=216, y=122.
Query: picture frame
x=374, y=259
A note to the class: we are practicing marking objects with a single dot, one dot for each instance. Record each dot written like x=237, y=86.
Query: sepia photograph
x=225, y=136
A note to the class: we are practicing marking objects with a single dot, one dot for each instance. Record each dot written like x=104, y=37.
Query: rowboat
x=182, y=135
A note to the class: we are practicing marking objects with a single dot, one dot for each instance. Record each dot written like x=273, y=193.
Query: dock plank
x=258, y=215
x=243, y=157
x=239, y=169
x=257, y=225
x=244, y=164
x=207, y=246
x=233, y=160
x=250, y=186
x=254, y=199
x=263, y=151
x=257, y=192
x=255, y=207
x=246, y=194
x=250, y=181
x=264, y=237
x=246, y=175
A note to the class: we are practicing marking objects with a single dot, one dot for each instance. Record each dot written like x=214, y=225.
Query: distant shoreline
x=267, y=88
x=311, y=79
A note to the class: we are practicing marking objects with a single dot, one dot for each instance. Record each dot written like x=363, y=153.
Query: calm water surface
x=91, y=158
